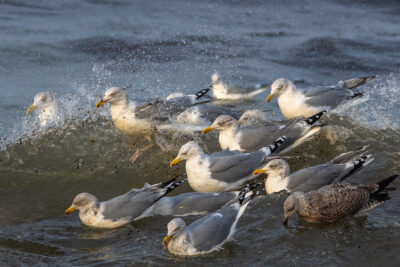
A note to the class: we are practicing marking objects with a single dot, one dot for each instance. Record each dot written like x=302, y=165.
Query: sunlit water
x=77, y=49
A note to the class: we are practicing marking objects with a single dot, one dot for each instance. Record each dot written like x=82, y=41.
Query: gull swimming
x=294, y=102
x=223, y=170
x=223, y=92
x=312, y=178
x=208, y=233
x=46, y=105
x=122, y=209
x=335, y=201
x=133, y=118
x=192, y=203
x=252, y=138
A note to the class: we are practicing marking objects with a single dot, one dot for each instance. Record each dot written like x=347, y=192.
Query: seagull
x=223, y=92
x=208, y=233
x=45, y=103
x=252, y=138
x=133, y=118
x=223, y=170
x=295, y=102
x=335, y=201
x=192, y=203
x=120, y=210
x=312, y=178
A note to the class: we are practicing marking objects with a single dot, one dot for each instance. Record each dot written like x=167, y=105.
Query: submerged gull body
x=223, y=170
x=312, y=178
x=46, y=105
x=335, y=201
x=253, y=138
x=208, y=233
x=222, y=91
x=294, y=102
x=120, y=210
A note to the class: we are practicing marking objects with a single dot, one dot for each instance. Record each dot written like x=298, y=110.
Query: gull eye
x=44, y=99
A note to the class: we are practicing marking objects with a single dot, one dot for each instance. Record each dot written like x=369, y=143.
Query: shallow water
x=79, y=48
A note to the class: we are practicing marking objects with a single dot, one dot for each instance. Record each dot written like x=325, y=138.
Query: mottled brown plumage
x=336, y=201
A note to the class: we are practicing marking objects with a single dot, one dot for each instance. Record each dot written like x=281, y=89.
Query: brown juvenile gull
x=335, y=201
x=295, y=102
x=223, y=170
x=252, y=138
x=119, y=210
x=312, y=178
x=208, y=233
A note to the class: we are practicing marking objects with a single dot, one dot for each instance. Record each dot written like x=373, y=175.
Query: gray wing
x=327, y=96
x=212, y=230
x=233, y=168
x=211, y=112
x=337, y=200
x=255, y=138
x=163, y=110
x=315, y=177
x=193, y=203
x=131, y=204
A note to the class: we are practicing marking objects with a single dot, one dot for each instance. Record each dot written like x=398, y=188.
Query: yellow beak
x=100, y=103
x=32, y=107
x=206, y=130
x=69, y=211
x=269, y=98
x=258, y=171
x=166, y=241
x=174, y=162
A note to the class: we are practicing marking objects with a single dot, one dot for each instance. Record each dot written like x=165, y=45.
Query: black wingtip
x=311, y=120
x=202, y=92
x=385, y=182
x=246, y=189
x=276, y=144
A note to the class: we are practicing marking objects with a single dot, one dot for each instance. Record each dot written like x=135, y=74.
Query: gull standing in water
x=248, y=139
x=223, y=92
x=208, y=233
x=120, y=210
x=312, y=178
x=46, y=105
x=223, y=170
x=294, y=102
x=335, y=201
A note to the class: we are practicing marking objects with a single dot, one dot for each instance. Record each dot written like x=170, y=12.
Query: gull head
x=82, y=202
x=174, y=227
x=42, y=101
x=114, y=95
x=275, y=168
x=252, y=117
x=278, y=87
x=221, y=123
x=291, y=205
x=215, y=78
x=187, y=151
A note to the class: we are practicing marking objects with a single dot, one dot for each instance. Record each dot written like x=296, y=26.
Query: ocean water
x=77, y=49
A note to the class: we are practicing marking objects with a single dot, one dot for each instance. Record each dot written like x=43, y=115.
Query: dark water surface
x=77, y=49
